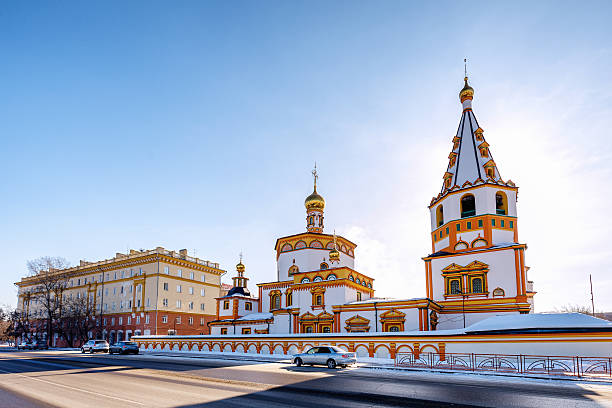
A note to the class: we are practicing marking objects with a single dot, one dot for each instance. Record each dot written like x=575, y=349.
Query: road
x=70, y=379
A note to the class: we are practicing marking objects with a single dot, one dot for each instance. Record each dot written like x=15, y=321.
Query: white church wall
x=502, y=272
x=309, y=259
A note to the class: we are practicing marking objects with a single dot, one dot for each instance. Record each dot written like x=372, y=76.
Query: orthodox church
x=476, y=269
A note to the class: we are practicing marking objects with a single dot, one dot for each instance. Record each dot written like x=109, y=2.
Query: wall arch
x=252, y=349
x=227, y=348
x=362, y=350
x=468, y=205
x=265, y=349
x=278, y=349
x=239, y=348
x=382, y=351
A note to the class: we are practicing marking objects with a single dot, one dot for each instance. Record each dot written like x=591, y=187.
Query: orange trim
x=421, y=319
x=517, y=268
x=523, y=279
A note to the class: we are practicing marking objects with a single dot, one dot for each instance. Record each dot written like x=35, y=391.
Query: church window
x=248, y=306
x=446, y=231
x=331, y=276
x=351, y=278
x=458, y=227
x=493, y=221
x=276, y=302
x=468, y=206
x=501, y=203
x=309, y=329
x=289, y=299
x=455, y=287
x=502, y=223
x=317, y=279
x=477, y=285
x=226, y=305
x=369, y=285
x=326, y=329
x=480, y=223
x=439, y=216
x=358, y=296
x=324, y=266
x=319, y=300
x=511, y=224
x=469, y=225
x=224, y=331
x=499, y=292
x=246, y=330
x=394, y=329
x=305, y=280
x=293, y=269
x=440, y=234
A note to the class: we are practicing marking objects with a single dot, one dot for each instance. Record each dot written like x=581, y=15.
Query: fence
x=592, y=367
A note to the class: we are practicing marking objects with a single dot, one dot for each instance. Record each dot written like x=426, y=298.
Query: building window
x=178, y=320
x=137, y=319
x=225, y=304
x=439, y=216
x=179, y=273
x=493, y=221
x=179, y=289
x=191, y=320
x=223, y=331
x=147, y=319
x=129, y=320
x=112, y=321
x=501, y=203
x=502, y=223
x=166, y=270
x=458, y=226
x=289, y=300
x=477, y=285
x=166, y=286
x=468, y=206
x=202, y=292
x=165, y=302
x=326, y=329
x=164, y=319
x=319, y=300
x=203, y=278
x=480, y=223
x=455, y=287
x=202, y=306
x=511, y=224
x=323, y=266
x=469, y=225
x=191, y=290
x=248, y=306
x=358, y=296
x=191, y=276
x=178, y=304
x=309, y=329
x=202, y=322
x=394, y=329
x=190, y=305
x=276, y=302
x=246, y=330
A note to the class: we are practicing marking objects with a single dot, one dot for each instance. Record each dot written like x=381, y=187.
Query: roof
x=320, y=234
x=237, y=290
x=539, y=323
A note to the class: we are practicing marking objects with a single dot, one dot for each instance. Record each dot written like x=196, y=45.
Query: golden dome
x=334, y=255
x=314, y=201
x=240, y=267
x=467, y=92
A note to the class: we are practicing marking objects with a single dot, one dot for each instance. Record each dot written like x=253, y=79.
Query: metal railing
x=592, y=367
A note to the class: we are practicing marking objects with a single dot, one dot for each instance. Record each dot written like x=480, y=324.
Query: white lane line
x=73, y=388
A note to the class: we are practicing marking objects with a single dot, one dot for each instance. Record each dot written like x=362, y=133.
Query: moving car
x=93, y=346
x=331, y=356
x=124, y=347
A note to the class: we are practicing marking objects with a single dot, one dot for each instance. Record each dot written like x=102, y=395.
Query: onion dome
x=334, y=255
x=314, y=201
x=240, y=267
x=467, y=92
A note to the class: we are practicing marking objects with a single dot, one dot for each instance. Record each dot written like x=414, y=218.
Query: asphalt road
x=69, y=379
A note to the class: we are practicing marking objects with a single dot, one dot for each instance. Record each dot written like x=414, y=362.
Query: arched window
x=393, y=329
x=289, y=299
x=326, y=329
x=324, y=266
x=293, y=269
x=358, y=281
x=351, y=278
x=309, y=329
x=477, y=285
x=276, y=302
x=439, y=216
x=305, y=280
x=317, y=279
x=455, y=287
x=501, y=203
x=468, y=206
x=331, y=276
x=319, y=300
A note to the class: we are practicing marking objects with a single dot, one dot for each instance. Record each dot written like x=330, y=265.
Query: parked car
x=124, y=347
x=37, y=345
x=23, y=345
x=331, y=356
x=93, y=346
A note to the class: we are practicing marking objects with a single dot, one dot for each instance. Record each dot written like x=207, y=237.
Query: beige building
x=142, y=292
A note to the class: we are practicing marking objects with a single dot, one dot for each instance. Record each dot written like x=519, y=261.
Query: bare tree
x=18, y=325
x=76, y=318
x=50, y=285
x=570, y=308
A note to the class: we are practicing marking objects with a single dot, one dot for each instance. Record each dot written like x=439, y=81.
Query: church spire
x=470, y=160
x=315, y=204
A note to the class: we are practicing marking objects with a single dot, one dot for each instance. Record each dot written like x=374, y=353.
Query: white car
x=331, y=356
x=93, y=346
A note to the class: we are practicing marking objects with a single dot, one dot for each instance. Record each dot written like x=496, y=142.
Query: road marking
x=73, y=388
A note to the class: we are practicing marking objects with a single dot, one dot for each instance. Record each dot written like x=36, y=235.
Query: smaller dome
x=467, y=92
x=334, y=255
x=240, y=267
x=236, y=290
x=314, y=201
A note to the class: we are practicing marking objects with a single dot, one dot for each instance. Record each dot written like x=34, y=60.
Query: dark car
x=124, y=347
x=34, y=345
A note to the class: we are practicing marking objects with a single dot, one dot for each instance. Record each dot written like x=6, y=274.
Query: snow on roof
x=539, y=321
x=256, y=316
x=381, y=300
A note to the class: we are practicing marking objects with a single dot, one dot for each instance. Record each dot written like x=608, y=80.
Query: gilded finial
x=334, y=255
x=315, y=176
x=467, y=92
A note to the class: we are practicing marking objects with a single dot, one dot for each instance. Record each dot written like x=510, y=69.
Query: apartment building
x=141, y=292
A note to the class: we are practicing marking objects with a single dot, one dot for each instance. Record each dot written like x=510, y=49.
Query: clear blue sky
x=196, y=124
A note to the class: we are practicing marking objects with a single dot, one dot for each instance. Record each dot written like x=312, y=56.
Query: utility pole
x=592, y=301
